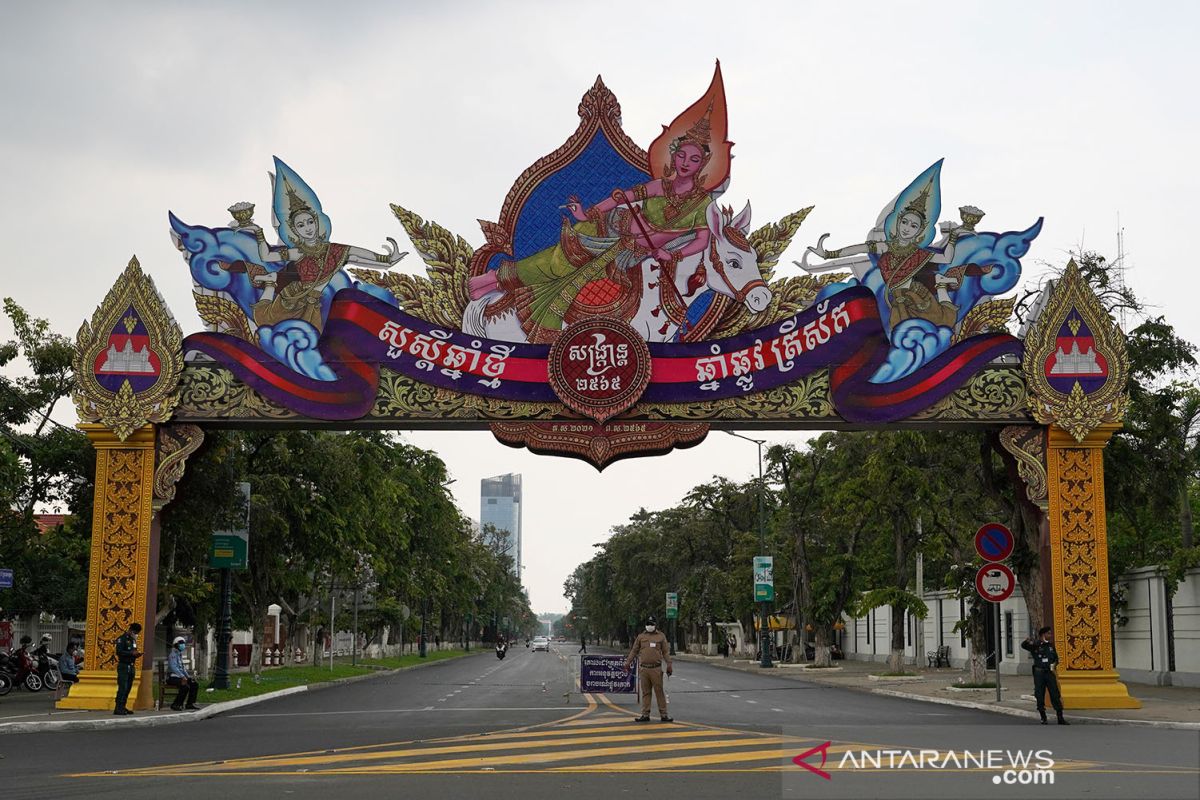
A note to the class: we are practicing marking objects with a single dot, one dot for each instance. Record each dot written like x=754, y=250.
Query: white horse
x=729, y=270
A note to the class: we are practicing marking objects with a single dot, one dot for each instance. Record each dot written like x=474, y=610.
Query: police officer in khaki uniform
x=651, y=650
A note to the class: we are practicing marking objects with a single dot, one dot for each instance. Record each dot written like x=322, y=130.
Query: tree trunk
x=822, y=654
x=978, y=637
x=1185, y=515
x=896, y=655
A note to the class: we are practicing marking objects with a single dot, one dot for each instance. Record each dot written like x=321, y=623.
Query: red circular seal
x=599, y=367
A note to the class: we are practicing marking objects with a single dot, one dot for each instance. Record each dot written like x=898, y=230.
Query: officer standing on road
x=1045, y=660
x=127, y=658
x=650, y=650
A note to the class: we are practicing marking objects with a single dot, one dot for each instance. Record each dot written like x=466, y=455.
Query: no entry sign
x=994, y=542
x=995, y=582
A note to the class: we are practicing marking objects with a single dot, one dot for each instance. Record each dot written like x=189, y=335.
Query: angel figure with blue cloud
x=312, y=261
x=924, y=289
x=282, y=293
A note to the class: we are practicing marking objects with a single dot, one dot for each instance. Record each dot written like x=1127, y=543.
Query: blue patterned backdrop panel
x=592, y=176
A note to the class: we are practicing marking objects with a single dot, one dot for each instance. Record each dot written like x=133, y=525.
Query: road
x=516, y=728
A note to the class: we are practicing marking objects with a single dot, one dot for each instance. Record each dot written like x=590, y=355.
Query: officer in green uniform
x=127, y=658
x=1045, y=660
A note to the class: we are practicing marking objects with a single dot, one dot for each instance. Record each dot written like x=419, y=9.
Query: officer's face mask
x=180, y=646
x=649, y=629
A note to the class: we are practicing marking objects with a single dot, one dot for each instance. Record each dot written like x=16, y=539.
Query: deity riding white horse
x=728, y=266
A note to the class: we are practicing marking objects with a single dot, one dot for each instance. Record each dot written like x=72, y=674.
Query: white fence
x=1152, y=646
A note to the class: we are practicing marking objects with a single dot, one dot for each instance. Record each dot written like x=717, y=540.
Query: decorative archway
x=632, y=324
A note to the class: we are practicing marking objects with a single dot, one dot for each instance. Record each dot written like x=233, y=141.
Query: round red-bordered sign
x=995, y=582
x=994, y=542
x=599, y=367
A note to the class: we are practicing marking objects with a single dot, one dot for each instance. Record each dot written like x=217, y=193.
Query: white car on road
x=541, y=643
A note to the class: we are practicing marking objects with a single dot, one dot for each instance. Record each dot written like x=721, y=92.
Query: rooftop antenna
x=1121, y=270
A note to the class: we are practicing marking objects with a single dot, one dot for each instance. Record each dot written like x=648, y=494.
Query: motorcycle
x=5, y=684
x=501, y=650
x=47, y=664
x=21, y=668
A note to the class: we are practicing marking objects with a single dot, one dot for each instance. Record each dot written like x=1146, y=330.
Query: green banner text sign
x=764, y=578
x=231, y=549
x=672, y=605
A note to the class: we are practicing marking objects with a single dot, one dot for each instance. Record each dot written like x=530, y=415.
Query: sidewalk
x=1162, y=706
x=29, y=712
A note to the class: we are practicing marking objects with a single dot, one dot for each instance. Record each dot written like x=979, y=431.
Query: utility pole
x=764, y=633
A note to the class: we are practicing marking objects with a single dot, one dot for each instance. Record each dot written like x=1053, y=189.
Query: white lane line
x=754, y=702
x=780, y=710
x=738, y=696
x=707, y=687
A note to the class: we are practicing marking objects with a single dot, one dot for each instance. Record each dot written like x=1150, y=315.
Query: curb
x=946, y=701
x=216, y=709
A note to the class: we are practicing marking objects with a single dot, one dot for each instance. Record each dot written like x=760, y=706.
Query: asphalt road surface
x=517, y=728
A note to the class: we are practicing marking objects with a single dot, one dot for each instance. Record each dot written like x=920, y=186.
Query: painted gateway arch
x=616, y=309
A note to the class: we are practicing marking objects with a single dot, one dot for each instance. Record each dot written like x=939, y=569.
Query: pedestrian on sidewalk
x=177, y=675
x=1045, y=660
x=582, y=643
x=127, y=658
x=650, y=651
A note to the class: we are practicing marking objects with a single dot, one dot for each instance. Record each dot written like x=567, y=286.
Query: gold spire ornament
x=128, y=359
x=1084, y=388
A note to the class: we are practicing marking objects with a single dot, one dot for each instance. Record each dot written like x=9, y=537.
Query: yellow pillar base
x=1094, y=688
x=97, y=691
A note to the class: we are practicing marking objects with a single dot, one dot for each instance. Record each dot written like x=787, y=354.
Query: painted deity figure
x=663, y=219
x=294, y=292
x=916, y=287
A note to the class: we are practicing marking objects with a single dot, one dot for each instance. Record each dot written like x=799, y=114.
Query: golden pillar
x=119, y=576
x=127, y=363
x=1079, y=571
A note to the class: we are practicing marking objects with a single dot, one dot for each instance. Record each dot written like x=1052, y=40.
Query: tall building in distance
x=500, y=507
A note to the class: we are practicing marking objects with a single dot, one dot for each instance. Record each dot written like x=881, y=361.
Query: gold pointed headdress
x=295, y=203
x=699, y=134
x=920, y=203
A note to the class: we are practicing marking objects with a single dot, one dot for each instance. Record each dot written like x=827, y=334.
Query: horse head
x=733, y=259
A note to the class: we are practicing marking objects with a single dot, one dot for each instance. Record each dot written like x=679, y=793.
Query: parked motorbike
x=21, y=668
x=5, y=684
x=47, y=664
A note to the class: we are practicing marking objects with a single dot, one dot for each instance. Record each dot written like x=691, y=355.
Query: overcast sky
x=113, y=113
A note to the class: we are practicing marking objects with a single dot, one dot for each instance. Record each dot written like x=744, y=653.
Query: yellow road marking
x=777, y=754
x=545, y=757
x=515, y=741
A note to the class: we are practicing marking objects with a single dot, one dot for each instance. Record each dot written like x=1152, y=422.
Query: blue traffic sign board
x=6, y=578
x=994, y=542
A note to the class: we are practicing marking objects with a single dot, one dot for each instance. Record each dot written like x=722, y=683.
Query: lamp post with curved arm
x=764, y=633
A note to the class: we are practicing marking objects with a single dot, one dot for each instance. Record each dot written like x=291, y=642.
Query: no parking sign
x=994, y=542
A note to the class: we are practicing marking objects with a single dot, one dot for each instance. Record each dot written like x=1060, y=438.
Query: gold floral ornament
x=129, y=358
x=1075, y=363
x=441, y=298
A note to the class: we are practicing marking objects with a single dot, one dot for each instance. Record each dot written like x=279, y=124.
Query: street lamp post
x=764, y=634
